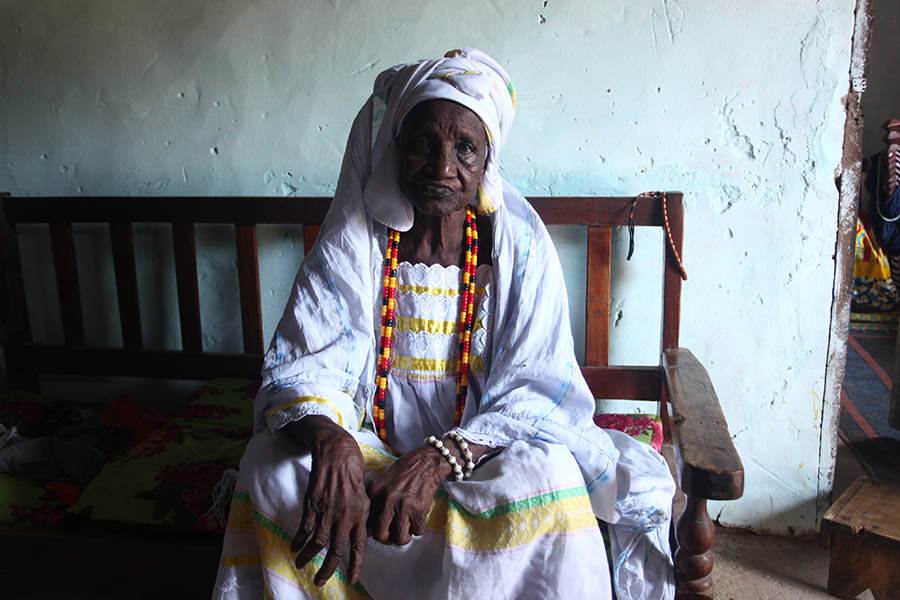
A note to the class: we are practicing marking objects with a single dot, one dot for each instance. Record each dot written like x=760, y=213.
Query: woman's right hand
x=336, y=505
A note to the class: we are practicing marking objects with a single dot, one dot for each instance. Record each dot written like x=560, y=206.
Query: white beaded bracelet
x=445, y=452
x=467, y=454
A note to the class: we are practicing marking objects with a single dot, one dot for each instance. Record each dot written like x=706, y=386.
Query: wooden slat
x=708, y=464
x=557, y=210
x=169, y=209
x=185, y=245
x=868, y=508
x=67, y=283
x=13, y=310
x=310, y=233
x=595, y=211
x=664, y=413
x=248, y=280
x=672, y=275
x=596, y=335
x=126, y=284
x=624, y=383
x=603, y=212
x=126, y=362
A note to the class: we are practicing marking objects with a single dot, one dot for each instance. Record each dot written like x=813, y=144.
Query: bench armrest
x=707, y=463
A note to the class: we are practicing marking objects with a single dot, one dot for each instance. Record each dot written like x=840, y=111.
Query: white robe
x=524, y=525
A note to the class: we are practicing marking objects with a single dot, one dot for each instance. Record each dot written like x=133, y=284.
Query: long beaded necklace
x=389, y=321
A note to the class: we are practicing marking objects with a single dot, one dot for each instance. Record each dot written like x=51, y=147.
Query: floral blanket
x=165, y=475
x=169, y=472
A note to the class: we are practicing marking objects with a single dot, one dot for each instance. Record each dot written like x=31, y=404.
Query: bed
x=150, y=515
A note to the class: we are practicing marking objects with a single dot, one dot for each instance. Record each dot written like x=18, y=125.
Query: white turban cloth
x=468, y=77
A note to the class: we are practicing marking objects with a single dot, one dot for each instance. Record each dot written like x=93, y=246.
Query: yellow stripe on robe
x=418, y=325
x=504, y=527
x=434, y=365
x=275, y=548
x=428, y=325
x=434, y=291
x=240, y=515
x=566, y=511
x=377, y=460
x=303, y=400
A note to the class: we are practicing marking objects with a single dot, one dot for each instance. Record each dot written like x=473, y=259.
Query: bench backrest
x=26, y=360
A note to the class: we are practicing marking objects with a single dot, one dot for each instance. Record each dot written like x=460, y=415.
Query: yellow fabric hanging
x=871, y=262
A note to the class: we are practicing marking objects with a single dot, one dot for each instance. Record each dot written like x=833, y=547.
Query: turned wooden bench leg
x=695, y=533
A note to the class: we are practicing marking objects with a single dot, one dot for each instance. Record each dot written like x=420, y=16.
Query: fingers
x=315, y=542
x=417, y=523
x=307, y=526
x=310, y=549
x=310, y=519
x=337, y=549
x=400, y=529
x=381, y=522
x=334, y=516
x=357, y=552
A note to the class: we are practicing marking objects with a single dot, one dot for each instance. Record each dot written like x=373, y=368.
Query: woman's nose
x=444, y=162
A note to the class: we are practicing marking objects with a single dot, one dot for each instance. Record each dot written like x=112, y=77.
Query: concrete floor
x=760, y=567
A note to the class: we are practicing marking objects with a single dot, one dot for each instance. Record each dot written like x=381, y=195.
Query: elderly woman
x=423, y=429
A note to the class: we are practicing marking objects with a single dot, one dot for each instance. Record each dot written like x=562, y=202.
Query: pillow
x=168, y=478
x=642, y=427
x=172, y=486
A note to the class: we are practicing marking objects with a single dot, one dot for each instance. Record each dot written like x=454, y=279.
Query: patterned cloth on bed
x=165, y=476
x=168, y=476
x=169, y=479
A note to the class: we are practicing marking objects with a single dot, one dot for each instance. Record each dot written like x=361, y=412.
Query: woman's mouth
x=435, y=191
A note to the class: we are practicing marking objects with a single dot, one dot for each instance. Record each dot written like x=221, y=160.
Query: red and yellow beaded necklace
x=389, y=321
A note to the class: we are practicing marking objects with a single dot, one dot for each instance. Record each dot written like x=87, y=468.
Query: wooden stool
x=865, y=541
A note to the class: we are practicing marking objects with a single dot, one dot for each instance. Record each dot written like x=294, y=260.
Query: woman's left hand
x=401, y=496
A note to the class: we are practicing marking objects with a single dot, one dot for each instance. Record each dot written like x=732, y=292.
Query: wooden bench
x=706, y=465
x=864, y=532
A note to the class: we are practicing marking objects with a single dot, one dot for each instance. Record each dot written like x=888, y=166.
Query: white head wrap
x=469, y=77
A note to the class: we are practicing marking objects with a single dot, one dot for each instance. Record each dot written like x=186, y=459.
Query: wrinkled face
x=443, y=152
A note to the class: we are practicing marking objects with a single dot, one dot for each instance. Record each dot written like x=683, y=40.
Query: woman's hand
x=336, y=505
x=401, y=497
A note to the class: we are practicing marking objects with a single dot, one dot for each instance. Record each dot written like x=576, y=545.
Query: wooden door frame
x=849, y=183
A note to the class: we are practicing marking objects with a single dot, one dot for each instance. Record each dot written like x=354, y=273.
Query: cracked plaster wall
x=737, y=104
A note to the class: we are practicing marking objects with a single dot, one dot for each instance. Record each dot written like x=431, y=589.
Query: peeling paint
x=850, y=183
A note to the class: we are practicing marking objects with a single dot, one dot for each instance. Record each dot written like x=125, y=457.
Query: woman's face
x=443, y=152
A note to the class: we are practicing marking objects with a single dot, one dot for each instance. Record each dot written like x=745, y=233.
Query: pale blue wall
x=739, y=104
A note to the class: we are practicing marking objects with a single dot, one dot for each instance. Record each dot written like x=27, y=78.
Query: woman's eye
x=420, y=144
x=466, y=148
